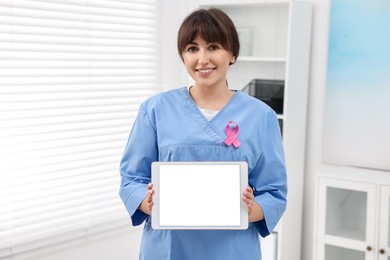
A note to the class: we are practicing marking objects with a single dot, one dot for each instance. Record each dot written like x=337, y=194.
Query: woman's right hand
x=147, y=203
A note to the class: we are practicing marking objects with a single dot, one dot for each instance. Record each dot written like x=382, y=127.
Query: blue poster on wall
x=357, y=106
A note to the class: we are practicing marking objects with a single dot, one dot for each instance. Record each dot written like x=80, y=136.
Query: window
x=72, y=76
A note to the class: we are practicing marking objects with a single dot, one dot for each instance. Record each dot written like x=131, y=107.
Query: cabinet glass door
x=346, y=213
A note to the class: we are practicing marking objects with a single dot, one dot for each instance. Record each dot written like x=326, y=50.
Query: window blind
x=72, y=76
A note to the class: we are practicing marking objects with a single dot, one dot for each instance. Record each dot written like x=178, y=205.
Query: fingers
x=248, y=193
x=147, y=203
x=149, y=196
x=255, y=212
x=149, y=193
x=150, y=205
x=250, y=208
x=249, y=199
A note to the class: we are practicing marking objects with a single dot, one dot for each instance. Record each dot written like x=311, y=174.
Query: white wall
x=316, y=100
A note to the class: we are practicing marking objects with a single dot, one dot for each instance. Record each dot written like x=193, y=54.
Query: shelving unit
x=351, y=224
x=275, y=37
x=262, y=30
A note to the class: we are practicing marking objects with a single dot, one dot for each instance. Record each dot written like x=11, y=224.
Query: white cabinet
x=275, y=38
x=352, y=220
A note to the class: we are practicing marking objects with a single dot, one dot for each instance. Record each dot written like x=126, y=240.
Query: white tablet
x=199, y=195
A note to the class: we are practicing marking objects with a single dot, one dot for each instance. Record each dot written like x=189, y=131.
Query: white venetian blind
x=72, y=76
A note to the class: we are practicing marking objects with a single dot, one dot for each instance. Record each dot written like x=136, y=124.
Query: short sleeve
x=140, y=151
x=268, y=178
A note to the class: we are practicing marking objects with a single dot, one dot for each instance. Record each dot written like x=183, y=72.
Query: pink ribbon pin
x=232, y=135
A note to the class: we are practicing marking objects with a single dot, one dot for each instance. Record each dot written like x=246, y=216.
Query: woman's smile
x=204, y=72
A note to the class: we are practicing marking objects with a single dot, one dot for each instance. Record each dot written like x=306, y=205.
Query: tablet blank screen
x=199, y=195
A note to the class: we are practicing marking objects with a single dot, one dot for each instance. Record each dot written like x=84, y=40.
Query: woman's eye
x=192, y=49
x=214, y=47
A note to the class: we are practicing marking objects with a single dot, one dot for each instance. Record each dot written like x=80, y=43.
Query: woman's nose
x=203, y=57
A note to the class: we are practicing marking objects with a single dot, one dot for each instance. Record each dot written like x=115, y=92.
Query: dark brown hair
x=213, y=25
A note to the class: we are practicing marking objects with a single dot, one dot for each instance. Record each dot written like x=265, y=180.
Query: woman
x=188, y=124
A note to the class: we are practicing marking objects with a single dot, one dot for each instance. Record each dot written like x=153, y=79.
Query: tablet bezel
x=155, y=173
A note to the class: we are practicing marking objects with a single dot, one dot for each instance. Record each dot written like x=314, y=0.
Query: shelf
x=345, y=243
x=261, y=59
x=242, y=73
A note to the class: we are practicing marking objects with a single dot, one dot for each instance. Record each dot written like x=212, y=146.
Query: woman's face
x=207, y=63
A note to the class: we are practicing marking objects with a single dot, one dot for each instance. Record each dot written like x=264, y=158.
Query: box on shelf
x=269, y=91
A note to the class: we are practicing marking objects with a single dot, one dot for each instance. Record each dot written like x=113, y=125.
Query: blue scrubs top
x=170, y=127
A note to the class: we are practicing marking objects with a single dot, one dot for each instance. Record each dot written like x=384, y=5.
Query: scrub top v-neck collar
x=193, y=111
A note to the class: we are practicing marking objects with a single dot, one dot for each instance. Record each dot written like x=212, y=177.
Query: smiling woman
x=72, y=75
x=208, y=43
x=172, y=127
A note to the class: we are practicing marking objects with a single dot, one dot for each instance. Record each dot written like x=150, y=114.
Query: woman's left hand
x=255, y=213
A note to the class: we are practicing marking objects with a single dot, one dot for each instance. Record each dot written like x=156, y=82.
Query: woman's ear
x=233, y=60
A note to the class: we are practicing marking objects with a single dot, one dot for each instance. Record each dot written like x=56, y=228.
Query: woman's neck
x=213, y=98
